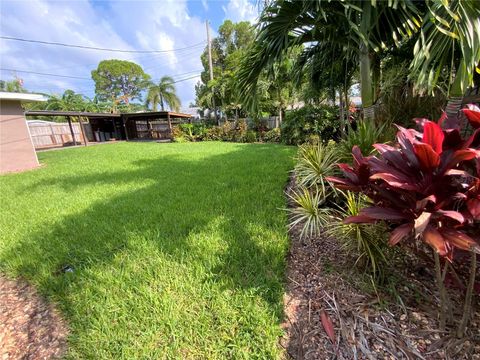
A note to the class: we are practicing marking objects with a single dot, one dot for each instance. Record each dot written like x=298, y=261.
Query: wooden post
x=52, y=136
x=71, y=130
x=124, y=127
x=169, y=125
x=85, y=141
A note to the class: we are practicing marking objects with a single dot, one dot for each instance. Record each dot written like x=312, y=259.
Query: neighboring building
x=16, y=149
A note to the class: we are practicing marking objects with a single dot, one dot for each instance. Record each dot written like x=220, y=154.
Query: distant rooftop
x=24, y=97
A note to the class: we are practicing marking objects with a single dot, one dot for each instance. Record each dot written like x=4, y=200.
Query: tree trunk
x=342, y=110
x=280, y=117
x=454, y=103
x=347, y=105
x=366, y=91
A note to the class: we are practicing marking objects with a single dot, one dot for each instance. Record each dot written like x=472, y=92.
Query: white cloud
x=119, y=24
x=241, y=10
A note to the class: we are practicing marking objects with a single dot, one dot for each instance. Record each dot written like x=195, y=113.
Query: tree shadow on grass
x=219, y=213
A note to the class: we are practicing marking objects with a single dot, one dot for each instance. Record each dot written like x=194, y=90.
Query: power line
x=45, y=74
x=78, y=77
x=98, y=48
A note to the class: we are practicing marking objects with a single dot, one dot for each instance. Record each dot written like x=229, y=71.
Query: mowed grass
x=178, y=250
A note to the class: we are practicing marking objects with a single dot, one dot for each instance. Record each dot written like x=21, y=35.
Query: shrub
x=314, y=164
x=251, y=136
x=367, y=241
x=239, y=131
x=272, y=135
x=215, y=133
x=364, y=136
x=299, y=124
x=426, y=186
x=308, y=212
x=177, y=134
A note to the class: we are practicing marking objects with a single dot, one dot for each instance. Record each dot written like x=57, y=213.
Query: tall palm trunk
x=367, y=91
x=454, y=103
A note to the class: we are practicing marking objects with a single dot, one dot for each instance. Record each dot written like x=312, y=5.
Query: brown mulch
x=369, y=322
x=30, y=328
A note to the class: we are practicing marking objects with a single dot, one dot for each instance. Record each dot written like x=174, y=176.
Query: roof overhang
x=70, y=113
x=153, y=114
x=23, y=97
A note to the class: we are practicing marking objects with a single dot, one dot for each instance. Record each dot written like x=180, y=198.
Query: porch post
x=71, y=130
x=169, y=124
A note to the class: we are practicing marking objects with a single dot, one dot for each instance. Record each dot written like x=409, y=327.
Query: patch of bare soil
x=369, y=322
x=30, y=328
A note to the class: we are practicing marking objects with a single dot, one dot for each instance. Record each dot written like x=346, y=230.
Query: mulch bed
x=368, y=323
x=30, y=328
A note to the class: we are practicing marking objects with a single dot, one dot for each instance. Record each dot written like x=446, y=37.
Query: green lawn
x=178, y=250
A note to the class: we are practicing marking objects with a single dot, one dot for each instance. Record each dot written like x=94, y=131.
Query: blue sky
x=131, y=25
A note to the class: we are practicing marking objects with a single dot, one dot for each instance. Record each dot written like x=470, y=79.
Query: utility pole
x=210, y=66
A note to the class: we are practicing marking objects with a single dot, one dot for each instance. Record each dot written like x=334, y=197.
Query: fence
x=52, y=135
x=271, y=122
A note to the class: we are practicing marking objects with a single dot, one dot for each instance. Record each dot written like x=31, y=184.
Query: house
x=16, y=149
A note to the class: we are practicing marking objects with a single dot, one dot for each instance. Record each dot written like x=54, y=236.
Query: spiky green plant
x=366, y=240
x=307, y=210
x=314, y=163
x=366, y=134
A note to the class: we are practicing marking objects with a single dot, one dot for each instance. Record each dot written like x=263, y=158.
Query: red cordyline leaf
x=421, y=222
x=420, y=122
x=452, y=139
x=473, y=206
x=427, y=157
x=421, y=204
x=433, y=136
x=441, y=119
x=405, y=140
x=359, y=219
x=380, y=213
x=399, y=233
x=343, y=184
x=327, y=325
x=473, y=116
x=454, y=215
x=357, y=156
x=459, y=156
x=382, y=148
x=460, y=240
x=473, y=141
x=433, y=238
x=394, y=181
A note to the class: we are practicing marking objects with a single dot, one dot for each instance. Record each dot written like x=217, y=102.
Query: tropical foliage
x=301, y=124
x=163, y=94
x=427, y=187
x=119, y=81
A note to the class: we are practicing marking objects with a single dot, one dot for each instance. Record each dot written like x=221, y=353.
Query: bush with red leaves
x=427, y=185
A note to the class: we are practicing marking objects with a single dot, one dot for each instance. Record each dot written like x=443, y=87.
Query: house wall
x=16, y=149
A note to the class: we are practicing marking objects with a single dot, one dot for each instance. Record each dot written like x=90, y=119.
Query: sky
x=120, y=24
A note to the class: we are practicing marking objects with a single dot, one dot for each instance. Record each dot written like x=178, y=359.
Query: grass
x=178, y=250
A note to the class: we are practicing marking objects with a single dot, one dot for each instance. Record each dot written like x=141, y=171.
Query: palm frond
x=450, y=35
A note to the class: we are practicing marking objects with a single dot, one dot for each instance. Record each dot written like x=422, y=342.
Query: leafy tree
x=163, y=94
x=15, y=85
x=328, y=30
x=449, y=40
x=228, y=49
x=68, y=101
x=119, y=81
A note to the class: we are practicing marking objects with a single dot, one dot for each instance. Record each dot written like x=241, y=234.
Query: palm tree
x=163, y=94
x=449, y=39
x=357, y=28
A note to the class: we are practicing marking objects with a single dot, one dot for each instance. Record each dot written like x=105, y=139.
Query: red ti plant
x=427, y=184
